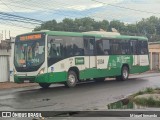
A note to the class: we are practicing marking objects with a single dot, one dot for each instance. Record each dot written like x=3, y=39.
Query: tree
x=132, y=28
x=49, y=25
x=69, y=25
x=149, y=27
x=117, y=25
x=101, y=25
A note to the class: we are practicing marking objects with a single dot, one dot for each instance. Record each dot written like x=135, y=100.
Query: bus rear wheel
x=44, y=85
x=124, y=74
x=71, y=80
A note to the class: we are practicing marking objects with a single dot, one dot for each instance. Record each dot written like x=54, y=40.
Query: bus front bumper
x=22, y=79
x=42, y=78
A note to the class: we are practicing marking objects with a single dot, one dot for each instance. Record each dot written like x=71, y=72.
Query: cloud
x=41, y=5
x=60, y=9
x=128, y=15
x=155, y=1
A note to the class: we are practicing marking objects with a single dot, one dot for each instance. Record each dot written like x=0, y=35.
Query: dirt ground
x=7, y=85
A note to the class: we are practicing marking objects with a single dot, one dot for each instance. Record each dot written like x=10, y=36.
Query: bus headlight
x=41, y=71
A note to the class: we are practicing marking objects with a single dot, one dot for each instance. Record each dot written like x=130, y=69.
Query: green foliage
x=147, y=102
x=145, y=91
x=149, y=27
x=149, y=90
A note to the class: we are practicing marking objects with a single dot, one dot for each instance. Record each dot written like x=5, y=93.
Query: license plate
x=26, y=81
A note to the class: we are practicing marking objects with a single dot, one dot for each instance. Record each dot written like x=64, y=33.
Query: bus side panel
x=138, y=69
x=57, y=76
x=51, y=77
x=107, y=66
x=140, y=64
x=117, y=61
x=97, y=73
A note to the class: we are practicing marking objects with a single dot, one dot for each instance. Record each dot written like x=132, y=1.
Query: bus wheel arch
x=72, y=78
x=124, y=73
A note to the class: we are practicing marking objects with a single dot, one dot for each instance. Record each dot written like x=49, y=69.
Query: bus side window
x=115, y=47
x=99, y=47
x=89, y=46
x=143, y=47
x=52, y=50
x=134, y=47
x=103, y=47
x=74, y=46
x=106, y=47
x=125, y=47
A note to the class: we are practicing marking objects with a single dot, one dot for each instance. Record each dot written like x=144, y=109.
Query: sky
x=127, y=11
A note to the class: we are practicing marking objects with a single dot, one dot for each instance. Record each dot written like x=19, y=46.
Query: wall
x=154, y=50
x=4, y=69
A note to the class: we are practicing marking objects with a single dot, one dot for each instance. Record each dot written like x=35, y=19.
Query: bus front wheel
x=71, y=80
x=44, y=85
x=124, y=74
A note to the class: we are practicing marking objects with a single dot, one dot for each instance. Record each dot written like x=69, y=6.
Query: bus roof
x=97, y=34
x=116, y=35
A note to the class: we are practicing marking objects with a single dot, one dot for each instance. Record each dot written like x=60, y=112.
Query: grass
x=147, y=102
x=145, y=91
x=144, y=101
x=149, y=90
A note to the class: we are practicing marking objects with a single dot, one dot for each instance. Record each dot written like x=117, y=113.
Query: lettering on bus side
x=100, y=61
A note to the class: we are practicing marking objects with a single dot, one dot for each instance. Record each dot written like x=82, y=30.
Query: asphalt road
x=86, y=96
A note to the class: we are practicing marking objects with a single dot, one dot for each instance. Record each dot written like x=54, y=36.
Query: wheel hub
x=71, y=79
x=125, y=73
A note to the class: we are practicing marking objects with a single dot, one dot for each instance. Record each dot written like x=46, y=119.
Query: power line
x=47, y=8
x=7, y=5
x=12, y=24
x=60, y=12
x=64, y=5
x=37, y=5
x=18, y=20
x=18, y=17
x=7, y=14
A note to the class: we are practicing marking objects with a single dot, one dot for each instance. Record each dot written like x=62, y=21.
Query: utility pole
x=5, y=34
x=2, y=34
x=9, y=34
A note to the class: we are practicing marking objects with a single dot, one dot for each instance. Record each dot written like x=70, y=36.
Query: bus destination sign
x=30, y=37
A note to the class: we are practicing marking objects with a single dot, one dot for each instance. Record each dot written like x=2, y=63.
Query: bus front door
x=134, y=50
x=90, y=58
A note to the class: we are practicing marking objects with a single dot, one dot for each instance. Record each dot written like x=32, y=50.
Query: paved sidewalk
x=7, y=85
x=152, y=71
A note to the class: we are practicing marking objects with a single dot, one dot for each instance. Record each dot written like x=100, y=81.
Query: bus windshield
x=29, y=53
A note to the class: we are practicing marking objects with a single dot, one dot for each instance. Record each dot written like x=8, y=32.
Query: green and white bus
x=47, y=57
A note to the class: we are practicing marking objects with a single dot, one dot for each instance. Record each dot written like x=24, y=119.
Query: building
x=4, y=65
x=1, y=37
x=5, y=53
x=154, y=52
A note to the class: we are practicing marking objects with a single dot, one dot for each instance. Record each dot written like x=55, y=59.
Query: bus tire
x=124, y=74
x=44, y=85
x=71, y=80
